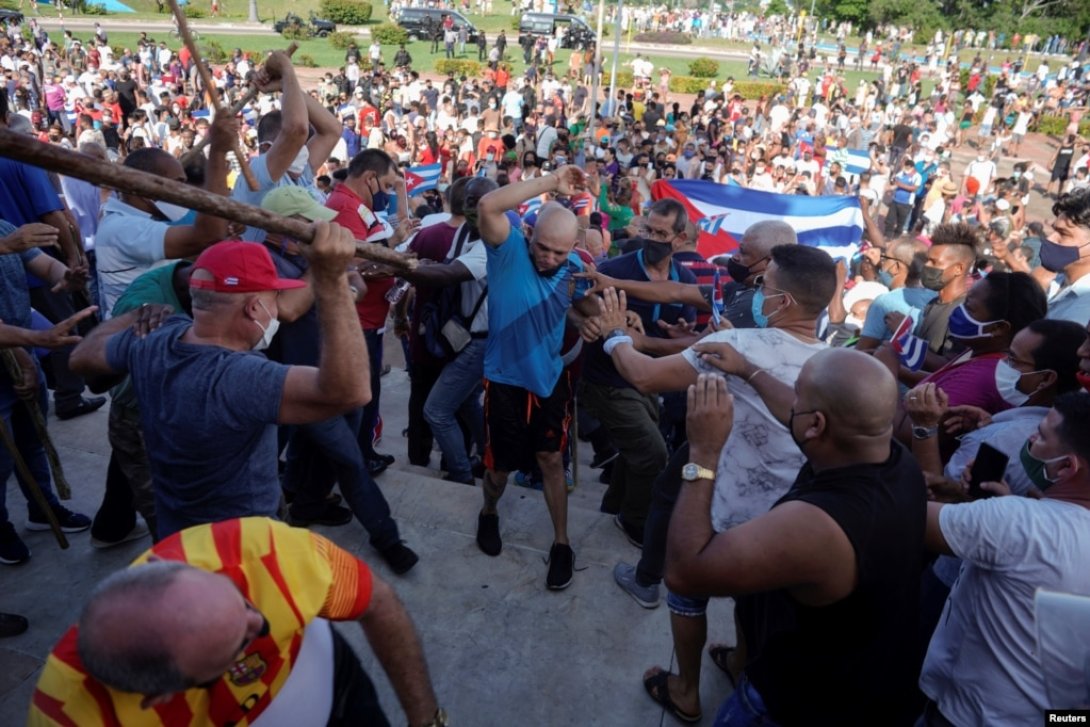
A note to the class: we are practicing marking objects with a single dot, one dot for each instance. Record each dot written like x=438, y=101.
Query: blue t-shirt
x=26, y=193
x=209, y=419
x=598, y=368
x=14, y=295
x=266, y=184
x=909, y=301
x=526, y=315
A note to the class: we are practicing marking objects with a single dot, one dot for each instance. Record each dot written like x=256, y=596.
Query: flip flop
x=720, y=656
x=657, y=688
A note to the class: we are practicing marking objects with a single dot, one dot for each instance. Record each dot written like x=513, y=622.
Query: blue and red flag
x=724, y=212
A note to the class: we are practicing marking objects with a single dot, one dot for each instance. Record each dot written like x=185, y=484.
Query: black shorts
x=518, y=423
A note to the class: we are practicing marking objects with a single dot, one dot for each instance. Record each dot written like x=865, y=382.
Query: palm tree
x=253, y=11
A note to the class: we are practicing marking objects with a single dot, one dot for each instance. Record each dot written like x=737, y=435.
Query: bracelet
x=754, y=374
x=613, y=342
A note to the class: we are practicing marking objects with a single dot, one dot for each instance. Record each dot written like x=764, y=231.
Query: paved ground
x=502, y=649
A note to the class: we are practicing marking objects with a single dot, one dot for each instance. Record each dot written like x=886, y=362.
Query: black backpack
x=445, y=309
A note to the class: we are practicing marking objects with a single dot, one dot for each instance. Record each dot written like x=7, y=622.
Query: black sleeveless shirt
x=855, y=661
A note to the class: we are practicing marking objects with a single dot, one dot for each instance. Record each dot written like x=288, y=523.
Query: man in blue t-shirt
x=532, y=285
x=905, y=186
x=209, y=402
x=288, y=139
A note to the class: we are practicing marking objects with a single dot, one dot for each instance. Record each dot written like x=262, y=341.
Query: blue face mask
x=964, y=326
x=757, y=307
x=885, y=278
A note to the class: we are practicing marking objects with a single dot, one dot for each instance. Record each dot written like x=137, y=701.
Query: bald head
x=152, y=628
x=857, y=394
x=761, y=237
x=556, y=221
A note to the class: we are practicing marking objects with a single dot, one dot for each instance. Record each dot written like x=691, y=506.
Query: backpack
x=443, y=329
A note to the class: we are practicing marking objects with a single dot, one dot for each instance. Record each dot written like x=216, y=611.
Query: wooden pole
x=51, y=157
x=36, y=493
x=238, y=106
x=15, y=371
x=212, y=91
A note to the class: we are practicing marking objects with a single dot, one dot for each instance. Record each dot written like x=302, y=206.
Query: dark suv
x=10, y=16
x=317, y=26
x=577, y=33
x=418, y=21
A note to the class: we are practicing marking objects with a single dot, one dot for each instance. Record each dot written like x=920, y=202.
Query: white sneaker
x=139, y=530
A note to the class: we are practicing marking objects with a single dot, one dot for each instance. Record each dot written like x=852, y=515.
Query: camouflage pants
x=127, y=440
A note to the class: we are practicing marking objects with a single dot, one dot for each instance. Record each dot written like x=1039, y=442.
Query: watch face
x=689, y=472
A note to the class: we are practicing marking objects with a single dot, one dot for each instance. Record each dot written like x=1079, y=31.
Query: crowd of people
x=792, y=431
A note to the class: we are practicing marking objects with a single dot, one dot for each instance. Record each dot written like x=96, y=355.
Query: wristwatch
x=439, y=720
x=693, y=472
x=924, y=432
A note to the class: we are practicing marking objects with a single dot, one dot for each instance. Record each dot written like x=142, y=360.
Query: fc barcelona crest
x=247, y=671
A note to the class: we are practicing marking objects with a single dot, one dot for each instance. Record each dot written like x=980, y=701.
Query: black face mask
x=738, y=271
x=932, y=278
x=655, y=252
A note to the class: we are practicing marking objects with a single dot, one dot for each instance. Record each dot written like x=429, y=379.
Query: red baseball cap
x=240, y=267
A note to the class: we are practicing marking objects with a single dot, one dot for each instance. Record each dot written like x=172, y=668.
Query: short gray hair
x=768, y=234
x=143, y=664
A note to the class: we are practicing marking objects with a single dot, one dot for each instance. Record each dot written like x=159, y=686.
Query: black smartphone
x=989, y=466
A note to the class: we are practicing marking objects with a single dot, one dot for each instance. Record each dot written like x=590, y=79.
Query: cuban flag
x=420, y=179
x=834, y=223
x=531, y=205
x=717, y=299
x=911, y=349
x=853, y=161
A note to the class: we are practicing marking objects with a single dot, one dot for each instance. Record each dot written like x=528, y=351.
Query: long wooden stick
x=211, y=89
x=23, y=148
x=15, y=371
x=32, y=484
x=238, y=106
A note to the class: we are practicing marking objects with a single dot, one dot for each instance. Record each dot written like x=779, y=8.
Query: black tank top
x=853, y=662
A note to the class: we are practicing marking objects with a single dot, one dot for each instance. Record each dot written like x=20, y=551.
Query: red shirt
x=368, y=117
x=355, y=215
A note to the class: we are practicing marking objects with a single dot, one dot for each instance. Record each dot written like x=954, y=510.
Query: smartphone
x=989, y=466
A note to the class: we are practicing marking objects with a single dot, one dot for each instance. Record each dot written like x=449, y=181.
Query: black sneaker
x=634, y=536
x=601, y=460
x=376, y=467
x=71, y=522
x=86, y=405
x=488, y=534
x=399, y=557
x=331, y=515
x=12, y=549
x=468, y=480
x=12, y=624
x=561, y=563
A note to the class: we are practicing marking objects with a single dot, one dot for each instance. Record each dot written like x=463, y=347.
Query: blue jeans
x=458, y=390
x=373, y=338
x=744, y=708
x=328, y=450
x=19, y=424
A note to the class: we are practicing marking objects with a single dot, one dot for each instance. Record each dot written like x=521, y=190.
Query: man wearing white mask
x=137, y=233
x=284, y=140
x=209, y=403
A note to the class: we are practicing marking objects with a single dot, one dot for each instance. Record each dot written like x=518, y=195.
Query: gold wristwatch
x=693, y=472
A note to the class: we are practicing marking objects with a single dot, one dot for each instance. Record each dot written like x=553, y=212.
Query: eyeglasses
x=660, y=235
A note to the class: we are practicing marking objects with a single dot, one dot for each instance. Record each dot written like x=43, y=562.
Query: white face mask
x=267, y=331
x=299, y=163
x=172, y=212
x=1006, y=383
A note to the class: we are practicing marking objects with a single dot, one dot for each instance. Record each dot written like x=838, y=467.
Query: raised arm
x=491, y=210
x=339, y=383
x=647, y=374
x=278, y=75
x=190, y=240
x=327, y=131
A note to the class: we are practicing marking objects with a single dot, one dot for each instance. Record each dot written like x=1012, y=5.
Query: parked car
x=10, y=16
x=318, y=26
x=577, y=34
x=417, y=22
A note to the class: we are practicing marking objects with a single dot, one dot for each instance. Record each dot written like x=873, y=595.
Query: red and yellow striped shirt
x=291, y=575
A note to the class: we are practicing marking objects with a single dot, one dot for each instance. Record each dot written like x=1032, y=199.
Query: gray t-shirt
x=209, y=418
